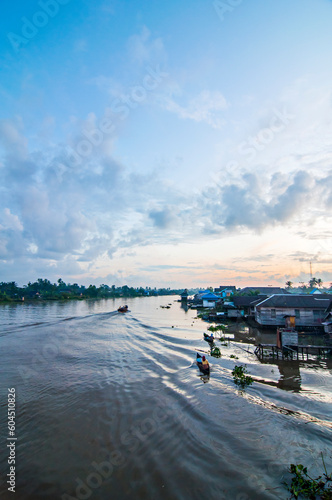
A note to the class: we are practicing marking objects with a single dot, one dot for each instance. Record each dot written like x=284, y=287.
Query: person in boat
x=205, y=363
x=211, y=336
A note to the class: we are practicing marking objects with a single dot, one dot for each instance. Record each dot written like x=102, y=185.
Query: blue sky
x=166, y=143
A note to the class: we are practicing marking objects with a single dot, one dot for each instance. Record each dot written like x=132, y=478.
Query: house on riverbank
x=308, y=310
x=210, y=300
x=225, y=291
x=245, y=305
x=327, y=323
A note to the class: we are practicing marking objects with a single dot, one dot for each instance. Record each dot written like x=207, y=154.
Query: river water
x=112, y=406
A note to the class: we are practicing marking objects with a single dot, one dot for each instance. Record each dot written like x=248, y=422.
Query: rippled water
x=112, y=406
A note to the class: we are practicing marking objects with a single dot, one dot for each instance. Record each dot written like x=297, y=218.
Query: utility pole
x=310, y=271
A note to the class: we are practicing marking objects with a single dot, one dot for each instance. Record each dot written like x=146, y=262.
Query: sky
x=180, y=144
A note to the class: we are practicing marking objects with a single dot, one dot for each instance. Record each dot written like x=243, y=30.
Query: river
x=111, y=406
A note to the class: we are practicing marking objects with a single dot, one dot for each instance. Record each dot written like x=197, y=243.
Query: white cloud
x=53, y=212
x=143, y=48
x=10, y=221
x=12, y=139
x=205, y=107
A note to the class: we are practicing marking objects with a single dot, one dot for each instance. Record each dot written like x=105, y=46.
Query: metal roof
x=247, y=300
x=266, y=290
x=297, y=301
x=210, y=296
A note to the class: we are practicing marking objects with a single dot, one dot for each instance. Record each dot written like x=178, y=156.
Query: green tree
x=313, y=282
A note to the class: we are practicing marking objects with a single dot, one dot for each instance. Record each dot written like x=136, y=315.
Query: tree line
x=312, y=283
x=43, y=289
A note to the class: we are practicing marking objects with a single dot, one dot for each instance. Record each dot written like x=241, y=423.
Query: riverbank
x=43, y=289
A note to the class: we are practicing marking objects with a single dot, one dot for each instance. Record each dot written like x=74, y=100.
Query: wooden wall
x=307, y=318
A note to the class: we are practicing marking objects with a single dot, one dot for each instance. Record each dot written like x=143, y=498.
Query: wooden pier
x=292, y=352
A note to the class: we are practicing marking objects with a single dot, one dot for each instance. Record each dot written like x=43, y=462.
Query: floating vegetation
x=304, y=486
x=218, y=328
x=233, y=356
x=240, y=377
x=216, y=352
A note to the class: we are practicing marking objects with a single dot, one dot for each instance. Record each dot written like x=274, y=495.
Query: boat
x=123, y=309
x=206, y=371
x=208, y=338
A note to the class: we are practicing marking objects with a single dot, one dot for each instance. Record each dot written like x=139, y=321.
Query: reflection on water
x=290, y=378
x=113, y=405
x=289, y=375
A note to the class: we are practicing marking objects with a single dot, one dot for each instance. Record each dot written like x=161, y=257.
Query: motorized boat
x=123, y=309
x=203, y=369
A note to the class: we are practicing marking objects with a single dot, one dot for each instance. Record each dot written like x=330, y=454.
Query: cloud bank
x=53, y=211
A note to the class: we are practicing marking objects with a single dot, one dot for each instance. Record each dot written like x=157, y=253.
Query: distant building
x=308, y=310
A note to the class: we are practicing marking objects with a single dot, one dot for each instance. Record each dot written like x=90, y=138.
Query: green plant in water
x=216, y=352
x=233, y=356
x=303, y=486
x=218, y=328
x=240, y=377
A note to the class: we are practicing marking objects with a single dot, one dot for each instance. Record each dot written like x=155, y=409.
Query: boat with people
x=123, y=309
x=203, y=364
x=209, y=338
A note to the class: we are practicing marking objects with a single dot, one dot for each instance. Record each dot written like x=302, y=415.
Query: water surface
x=112, y=406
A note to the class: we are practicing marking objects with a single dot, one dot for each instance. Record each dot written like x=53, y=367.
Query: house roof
x=210, y=296
x=266, y=290
x=225, y=287
x=329, y=308
x=297, y=301
x=247, y=300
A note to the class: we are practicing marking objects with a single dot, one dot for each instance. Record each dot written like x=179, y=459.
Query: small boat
x=123, y=309
x=204, y=370
x=209, y=338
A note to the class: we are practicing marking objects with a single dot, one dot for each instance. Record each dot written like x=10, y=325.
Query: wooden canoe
x=206, y=371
